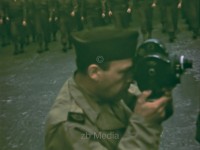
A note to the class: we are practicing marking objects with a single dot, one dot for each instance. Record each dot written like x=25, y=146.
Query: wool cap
x=104, y=44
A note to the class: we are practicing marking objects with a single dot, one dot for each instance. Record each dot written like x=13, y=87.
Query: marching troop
x=40, y=21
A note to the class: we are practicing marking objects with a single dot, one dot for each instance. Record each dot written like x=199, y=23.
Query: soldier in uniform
x=92, y=13
x=121, y=12
x=145, y=12
x=90, y=112
x=67, y=8
x=192, y=13
x=42, y=24
x=170, y=20
x=3, y=23
x=30, y=19
x=53, y=18
x=17, y=15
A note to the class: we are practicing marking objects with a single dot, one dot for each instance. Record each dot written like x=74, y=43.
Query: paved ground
x=30, y=82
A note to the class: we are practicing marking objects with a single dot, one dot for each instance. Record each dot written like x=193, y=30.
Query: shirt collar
x=99, y=114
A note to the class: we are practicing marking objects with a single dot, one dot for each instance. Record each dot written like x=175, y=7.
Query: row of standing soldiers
x=41, y=19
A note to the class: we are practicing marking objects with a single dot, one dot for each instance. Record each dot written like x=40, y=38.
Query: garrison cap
x=104, y=44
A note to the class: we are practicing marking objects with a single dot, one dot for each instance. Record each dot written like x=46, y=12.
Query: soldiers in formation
x=24, y=21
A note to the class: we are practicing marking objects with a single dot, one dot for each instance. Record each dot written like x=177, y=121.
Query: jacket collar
x=102, y=115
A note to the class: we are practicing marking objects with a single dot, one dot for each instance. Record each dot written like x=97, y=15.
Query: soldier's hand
x=103, y=15
x=153, y=5
x=50, y=19
x=73, y=13
x=129, y=10
x=7, y=18
x=56, y=18
x=179, y=5
x=152, y=111
x=24, y=23
x=110, y=13
x=82, y=18
x=1, y=21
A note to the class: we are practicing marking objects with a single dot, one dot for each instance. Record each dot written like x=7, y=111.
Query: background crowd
x=44, y=21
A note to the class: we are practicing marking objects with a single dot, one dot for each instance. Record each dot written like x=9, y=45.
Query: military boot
x=64, y=47
x=171, y=37
x=16, y=51
x=195, y=34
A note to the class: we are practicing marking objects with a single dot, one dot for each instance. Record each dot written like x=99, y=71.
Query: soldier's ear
x=94, y=72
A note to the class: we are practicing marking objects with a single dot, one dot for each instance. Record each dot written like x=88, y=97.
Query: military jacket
x=169, y=2
x=65, y=7
x=16, y=9
x=138, y=3
x=79, y=121
x=120, y=5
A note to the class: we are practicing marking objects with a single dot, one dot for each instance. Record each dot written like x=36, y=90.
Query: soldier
x=92, y=13
x=162, y=12
x=30, y=19
x=42, y=24
x=107, y=12
x=53, y=18
x=192, y=11
x=3, y=23
x=90, y=113
x=145, y=10
x=77, y=23
x=170, y=16
x=121, y=12
x=67, y=8
x=17, y=15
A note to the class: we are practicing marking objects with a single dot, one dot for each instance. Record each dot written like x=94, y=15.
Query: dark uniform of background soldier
x=53, y=19
x=17, y=15
x=2, y=11
x=30, y=19
x=145, y=12
x=121, y=12
x=42, y=24
x=169, y=16
x=66, y=7
x=92, y=13
x=191, y=12
x=89, y=112
x=78, y=9
x=4, y=23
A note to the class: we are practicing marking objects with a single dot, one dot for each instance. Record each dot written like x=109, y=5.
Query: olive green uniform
x=121, y=17
x=78, y=120
x=17, y=13
x=92, y=12
x=145, y=13
x=65, y=9
x=53, y=18
x=4, y=23
x=42, y=24
x=30, y=19
x=191, y=9
x=169, y=14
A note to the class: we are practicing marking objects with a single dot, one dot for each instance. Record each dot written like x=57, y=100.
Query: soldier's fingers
x=161, y=112
x=142, y=98
x=161, y=102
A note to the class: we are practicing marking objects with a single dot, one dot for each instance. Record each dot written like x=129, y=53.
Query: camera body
x=155, y=70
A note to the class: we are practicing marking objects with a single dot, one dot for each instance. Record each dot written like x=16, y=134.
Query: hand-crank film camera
x=156, y=70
